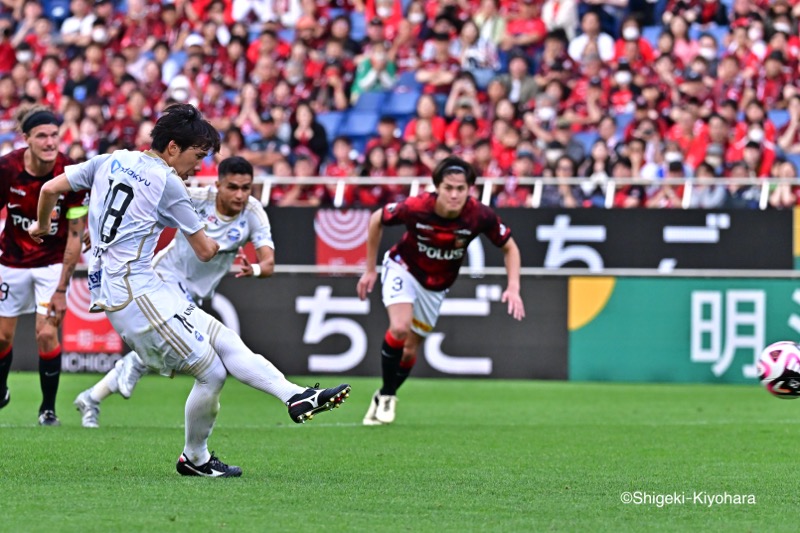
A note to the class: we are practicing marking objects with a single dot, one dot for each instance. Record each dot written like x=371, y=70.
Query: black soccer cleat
x=213, y=468
x=5, y=398
x=48, y=418
x=305, y=405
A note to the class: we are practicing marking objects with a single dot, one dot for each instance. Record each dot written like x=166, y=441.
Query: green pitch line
x=464, y=455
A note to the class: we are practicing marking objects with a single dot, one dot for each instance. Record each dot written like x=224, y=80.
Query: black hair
x=185, y=125
x=453, y=165
x=234, y=165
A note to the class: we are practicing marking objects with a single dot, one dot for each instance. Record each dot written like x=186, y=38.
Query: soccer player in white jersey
x=134, y=195
x=233, y=218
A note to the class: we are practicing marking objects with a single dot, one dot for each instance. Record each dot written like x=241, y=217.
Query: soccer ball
x=779, y=369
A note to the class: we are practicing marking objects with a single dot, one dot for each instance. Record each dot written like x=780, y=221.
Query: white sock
x=105, y=387
x=248, y=367
x=202, y=407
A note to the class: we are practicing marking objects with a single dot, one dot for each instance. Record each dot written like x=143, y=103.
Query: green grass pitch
x=463, y=455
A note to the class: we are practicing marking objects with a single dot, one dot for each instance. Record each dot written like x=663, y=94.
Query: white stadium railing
x=487, y=185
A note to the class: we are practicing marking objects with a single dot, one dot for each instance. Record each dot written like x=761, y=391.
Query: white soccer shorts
x=399, y=286
x=169, y=333
x=25, y=290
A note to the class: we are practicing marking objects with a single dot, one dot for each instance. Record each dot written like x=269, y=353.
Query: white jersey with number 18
x=134, y=196
x=177, y=263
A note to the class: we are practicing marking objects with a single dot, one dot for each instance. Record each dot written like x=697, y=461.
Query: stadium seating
x=370, y=101
x=779, y=117
x=359, y=124
x=358, y=26
x=331, y=122
x=400, y=104
x=587, y=139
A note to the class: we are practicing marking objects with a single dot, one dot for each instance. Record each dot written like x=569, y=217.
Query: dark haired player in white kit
x=418, y=270
x=134, y=196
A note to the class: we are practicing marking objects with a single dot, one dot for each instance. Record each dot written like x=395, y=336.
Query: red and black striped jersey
x=433, y=247
x=19, y=192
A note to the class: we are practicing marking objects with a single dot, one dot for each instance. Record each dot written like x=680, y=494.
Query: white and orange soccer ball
x=779, y=369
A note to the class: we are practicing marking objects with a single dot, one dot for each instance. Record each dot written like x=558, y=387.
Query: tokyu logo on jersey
x=116, y=166
x=234, y=234
x=438, y=253
x=18, y=192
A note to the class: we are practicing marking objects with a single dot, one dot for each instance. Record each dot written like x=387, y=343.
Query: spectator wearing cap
x=590, y=27
x=376, y=72
x=307, y=132
x=520, y=86
x=390, y=13
x=561, y=15
x=491, y=23
x=76, y=30
x=376, y=36
x=526, y=31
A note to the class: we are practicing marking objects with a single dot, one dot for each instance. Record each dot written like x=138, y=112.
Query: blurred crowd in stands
x=565, y=88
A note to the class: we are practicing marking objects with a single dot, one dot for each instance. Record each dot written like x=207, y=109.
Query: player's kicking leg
x=254, y=370
x=122, y=379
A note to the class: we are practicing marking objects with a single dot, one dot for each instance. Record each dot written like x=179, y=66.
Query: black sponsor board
x=307, y=324
x=599, y=239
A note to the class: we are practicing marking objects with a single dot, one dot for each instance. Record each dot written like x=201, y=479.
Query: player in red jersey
x=418, y=270
x=35, y=277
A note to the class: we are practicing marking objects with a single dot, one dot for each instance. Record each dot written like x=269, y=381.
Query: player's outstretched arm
x=374, y=233
x=263, y=269
x=205, y=248
x=511, y=295
x=72, y=253
x=48, y=197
